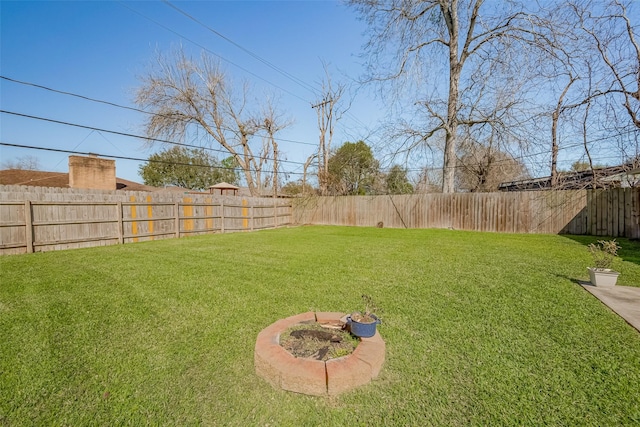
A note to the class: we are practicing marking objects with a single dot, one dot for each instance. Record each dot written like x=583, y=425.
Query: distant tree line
x=191, y=168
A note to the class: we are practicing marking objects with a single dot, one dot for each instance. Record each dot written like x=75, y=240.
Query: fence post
x=28, y=226
x=120, y=223
x=176, y=224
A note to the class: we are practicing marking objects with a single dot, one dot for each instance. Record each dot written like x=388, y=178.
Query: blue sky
x=98, y=49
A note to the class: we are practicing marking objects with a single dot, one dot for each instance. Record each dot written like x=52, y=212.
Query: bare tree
x=329, y=112
x=585, y=142
x=615, y=38
x=555, y=117
x=429, y=181
x=591, y=62
x=305, y=168
x=184, y=94
x=482, y=168
x=465, y=37
x=560, y=66
x=23, y=162
x=272, y=123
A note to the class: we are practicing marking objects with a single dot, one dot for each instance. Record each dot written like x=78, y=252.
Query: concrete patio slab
x=623, y=300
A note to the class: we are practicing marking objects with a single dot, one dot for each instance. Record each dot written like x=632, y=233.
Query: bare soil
x=316, y=342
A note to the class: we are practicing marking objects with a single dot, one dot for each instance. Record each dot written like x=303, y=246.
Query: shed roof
x=224, y=186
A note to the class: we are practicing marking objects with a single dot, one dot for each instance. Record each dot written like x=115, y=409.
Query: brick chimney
x=92, y=172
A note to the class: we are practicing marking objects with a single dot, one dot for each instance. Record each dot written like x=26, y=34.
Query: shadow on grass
x=629, y=249
x=574, y=280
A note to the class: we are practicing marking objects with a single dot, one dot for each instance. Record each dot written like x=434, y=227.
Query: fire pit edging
x=314, y=377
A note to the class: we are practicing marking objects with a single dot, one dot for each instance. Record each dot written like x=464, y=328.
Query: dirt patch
x=313, y=341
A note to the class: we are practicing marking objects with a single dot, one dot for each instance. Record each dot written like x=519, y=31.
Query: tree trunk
x=275, y=167
x=246, y=167
x=450, y=14
x=554, y=150
x=451, y=129
x=250, y=184
x=555, y=117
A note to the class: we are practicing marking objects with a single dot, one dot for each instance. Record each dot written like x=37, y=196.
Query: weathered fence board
x=613, y=212
x=34, y=220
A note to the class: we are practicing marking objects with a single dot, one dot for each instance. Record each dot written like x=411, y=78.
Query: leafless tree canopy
x=536, y=73
x=23, y=162
x=189, y=95
x=473, y=45
x=614, y=37
x=482, y=168
x=462, y=79
x=589, y=63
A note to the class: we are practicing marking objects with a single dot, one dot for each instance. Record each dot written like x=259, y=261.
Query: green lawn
x=481, y=329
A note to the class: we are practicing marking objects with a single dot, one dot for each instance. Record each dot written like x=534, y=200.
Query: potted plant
x=603, y=254
x=363, y=324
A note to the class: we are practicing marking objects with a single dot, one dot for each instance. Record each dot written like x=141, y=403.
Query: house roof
x=57, y=179
x=61, y=180
x=608, y=177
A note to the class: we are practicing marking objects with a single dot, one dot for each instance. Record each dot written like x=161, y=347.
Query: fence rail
x=49, y=221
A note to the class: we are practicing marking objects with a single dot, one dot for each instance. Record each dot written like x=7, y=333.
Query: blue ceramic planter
x=363, y=330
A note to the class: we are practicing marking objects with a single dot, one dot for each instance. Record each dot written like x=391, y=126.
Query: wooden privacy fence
x=43, y=225
x=613, y=212
x=41, y=220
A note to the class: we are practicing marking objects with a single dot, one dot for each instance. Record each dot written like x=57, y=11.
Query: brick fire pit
x=315, y=377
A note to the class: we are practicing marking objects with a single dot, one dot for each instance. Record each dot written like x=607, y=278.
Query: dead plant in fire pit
x=371, y=311
x=316, y=342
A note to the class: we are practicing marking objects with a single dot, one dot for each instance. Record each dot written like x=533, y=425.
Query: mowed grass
x=481, y=329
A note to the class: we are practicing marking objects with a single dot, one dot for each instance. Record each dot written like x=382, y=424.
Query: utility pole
x=320, y=104
x=325, y=123
x=275, y=168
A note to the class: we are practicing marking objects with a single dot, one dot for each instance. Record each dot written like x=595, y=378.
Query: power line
x=211, y=52
x=113, y=104
x=541, y=153
x=130, y=135
x=521, y=157
x=254, y=55
x=288, y=75
x=264, y=61
x=70, y=94
x=113, y=156
x=205, y=148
